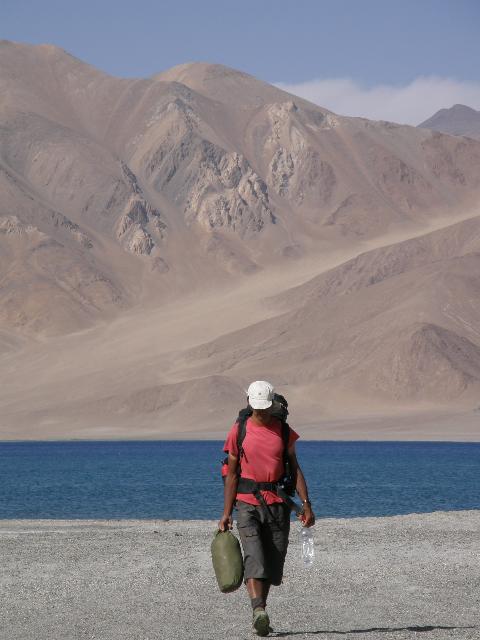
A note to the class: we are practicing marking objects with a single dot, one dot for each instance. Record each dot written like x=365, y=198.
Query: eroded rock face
x=296, y=170
x=163, y=161
x=134, y=215
x=12, y=225
x=302, y=176
x=215, y=188
x=134, y=223
x=140, y=227
x=80, y=236
x=282, y=169
x=279, y=114
x=227, y=193
x=140, y=241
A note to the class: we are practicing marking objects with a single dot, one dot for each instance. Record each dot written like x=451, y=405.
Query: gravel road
x=404, y=577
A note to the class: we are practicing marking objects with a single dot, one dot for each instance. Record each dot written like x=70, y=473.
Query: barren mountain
x=164, y=240
x=398, y=323
x=459, y=120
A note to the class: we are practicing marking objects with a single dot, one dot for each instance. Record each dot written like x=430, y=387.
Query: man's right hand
x=225, y=523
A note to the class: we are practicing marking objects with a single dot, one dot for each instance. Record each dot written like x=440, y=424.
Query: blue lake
x=181, y=479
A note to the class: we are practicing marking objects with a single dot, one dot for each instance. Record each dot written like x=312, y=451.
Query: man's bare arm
x=307, y=517
x=229, y=493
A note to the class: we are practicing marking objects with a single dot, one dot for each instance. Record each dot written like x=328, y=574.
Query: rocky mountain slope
x=459, y=120
x=164, y=240
x=398, y=323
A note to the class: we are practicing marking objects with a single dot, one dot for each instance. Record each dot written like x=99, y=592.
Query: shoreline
x=8, y=522
x=220, y=438
x=153, y=579
x=460, y=426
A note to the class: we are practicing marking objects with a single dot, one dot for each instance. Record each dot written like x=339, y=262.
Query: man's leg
x=275, y=542
x=256, y=590
x=256, y=579
x=265, y=590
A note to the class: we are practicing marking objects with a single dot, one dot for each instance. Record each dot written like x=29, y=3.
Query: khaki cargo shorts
x=264, y=540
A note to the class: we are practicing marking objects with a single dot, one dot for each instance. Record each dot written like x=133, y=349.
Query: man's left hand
x=307, y=517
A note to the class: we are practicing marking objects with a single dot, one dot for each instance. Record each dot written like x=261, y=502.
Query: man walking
x=263, y=516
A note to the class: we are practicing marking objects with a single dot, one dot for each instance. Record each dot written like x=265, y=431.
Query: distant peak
x=26, y=45
x=222, y=84
x=38, y=50
x=458, y=120
x=10, y=44
x=204, y=70
x=53, y=51
x=201, y=65
x=462, y=107
x=50, y=48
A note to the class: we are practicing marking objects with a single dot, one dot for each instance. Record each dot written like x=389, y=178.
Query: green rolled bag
x=227, y=561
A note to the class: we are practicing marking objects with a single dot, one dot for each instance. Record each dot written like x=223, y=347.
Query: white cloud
x=409, y=104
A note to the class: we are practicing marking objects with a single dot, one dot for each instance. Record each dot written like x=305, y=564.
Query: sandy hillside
x=165, y=240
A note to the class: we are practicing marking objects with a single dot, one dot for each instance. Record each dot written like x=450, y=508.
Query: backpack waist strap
x=246, y=485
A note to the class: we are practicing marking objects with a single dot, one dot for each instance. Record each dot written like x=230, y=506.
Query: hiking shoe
x=261, y=622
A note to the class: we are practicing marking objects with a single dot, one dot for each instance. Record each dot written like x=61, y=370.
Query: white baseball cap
x=260, y=394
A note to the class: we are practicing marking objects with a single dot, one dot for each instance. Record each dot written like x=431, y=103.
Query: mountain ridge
x=151, y=229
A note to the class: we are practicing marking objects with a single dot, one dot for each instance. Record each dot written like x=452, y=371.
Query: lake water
x=170, y=480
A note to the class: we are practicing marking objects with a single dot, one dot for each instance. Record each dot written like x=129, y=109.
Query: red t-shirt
x=262, y=458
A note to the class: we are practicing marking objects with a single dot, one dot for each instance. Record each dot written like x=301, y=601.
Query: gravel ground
x=405, y=577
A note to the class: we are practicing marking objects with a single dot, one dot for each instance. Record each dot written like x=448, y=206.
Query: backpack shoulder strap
x=285, y=436
x=285, y=439
x=243, y=416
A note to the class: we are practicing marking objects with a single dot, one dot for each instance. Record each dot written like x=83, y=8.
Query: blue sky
x=342, y=51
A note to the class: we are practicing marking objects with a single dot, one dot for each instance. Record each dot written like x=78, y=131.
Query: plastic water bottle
x=308, y=550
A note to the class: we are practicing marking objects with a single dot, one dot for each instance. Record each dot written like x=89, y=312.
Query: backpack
x=279, y=411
